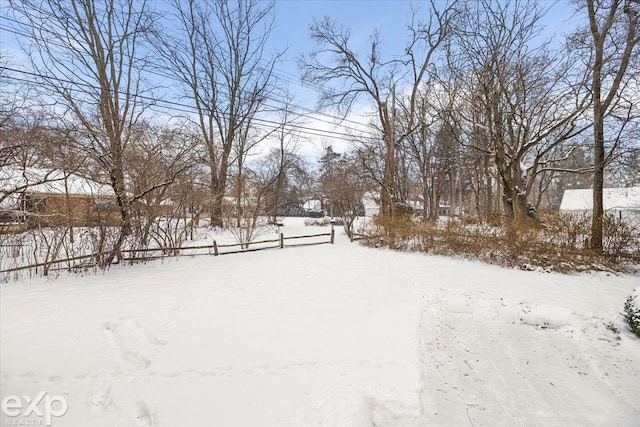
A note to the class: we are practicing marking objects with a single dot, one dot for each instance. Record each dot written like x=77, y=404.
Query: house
x=371, y=203
x=623, y=203
x=51, y=197
x=313, y=208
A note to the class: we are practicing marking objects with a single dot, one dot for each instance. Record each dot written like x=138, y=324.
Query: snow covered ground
x=330, y=335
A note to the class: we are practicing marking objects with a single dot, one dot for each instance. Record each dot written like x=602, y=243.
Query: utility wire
x=156, y=70
x=189, y=109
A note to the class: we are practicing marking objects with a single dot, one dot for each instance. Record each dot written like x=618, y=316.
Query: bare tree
x=345, y=184
x=16, y=114
x=380, y=81
x=12, y=101
x=87, y=56
x=167, y=153
x=34, y=152
x=221, y=62
x=283, y=159
x=248, y=139
x=433, y=149
x=248, y=214
x=615, y=37
x=516, y=99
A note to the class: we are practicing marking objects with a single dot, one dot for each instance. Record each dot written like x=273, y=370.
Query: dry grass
x=552, y=243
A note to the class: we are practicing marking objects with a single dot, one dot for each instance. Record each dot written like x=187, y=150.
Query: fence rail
x=354, y=237
x=177, y=251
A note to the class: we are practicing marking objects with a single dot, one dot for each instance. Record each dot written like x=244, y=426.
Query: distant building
x=623, y=203
x=371, y=203
x=53, y=198
x=313, y=208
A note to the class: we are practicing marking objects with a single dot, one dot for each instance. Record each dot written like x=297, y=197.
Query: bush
x=567, y=231
x=620, y=238
x=322, y=222
x=552, y=243
x=632, y=310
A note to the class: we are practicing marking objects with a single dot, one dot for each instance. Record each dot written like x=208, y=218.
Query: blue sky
x=293, y=17
x=291, y=32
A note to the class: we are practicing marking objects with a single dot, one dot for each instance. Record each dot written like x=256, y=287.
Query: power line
x=278, y=73
x=189, y=109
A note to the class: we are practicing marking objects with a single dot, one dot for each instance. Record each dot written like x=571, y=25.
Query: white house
x=624, y=203
x=313, y=208
x=312, y=205
x=371, y=203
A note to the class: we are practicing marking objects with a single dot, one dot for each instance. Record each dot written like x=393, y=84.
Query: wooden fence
x=354, y=237
x=214, y=249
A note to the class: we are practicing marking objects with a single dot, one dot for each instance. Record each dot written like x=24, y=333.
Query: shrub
x=316, y=222
x=556, y=242
x=632, y=310
x=567, y=231
x=322, y=222
x=620, y=238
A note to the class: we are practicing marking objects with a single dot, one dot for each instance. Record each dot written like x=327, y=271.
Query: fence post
x=333, y=235
x=281, y=240
x=215, y=248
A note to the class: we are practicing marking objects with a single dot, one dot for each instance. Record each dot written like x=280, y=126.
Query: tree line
x=477, y=111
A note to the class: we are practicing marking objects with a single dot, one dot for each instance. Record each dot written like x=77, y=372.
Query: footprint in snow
x=132, y=346
x=143, y=417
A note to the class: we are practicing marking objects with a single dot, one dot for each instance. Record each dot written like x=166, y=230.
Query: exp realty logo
x=28, y=411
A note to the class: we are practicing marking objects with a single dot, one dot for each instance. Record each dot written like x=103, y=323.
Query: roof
x=50, y=181
x=613, y=199
x=371, y=200
x=312, y=205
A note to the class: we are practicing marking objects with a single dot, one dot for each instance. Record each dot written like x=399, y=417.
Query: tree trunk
x=218, y=185
x=598, y=180
x=387, y=202
x=598, y=138
x=604, y=33
x=117, y=183
x=490, y=210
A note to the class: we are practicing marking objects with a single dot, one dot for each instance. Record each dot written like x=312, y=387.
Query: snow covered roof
x=416, y=204
x=371, y=200
x=312, y=205
x=613, y=199
x=50, y=181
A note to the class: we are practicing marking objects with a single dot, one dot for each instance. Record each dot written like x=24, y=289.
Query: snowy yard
x=330, y=335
